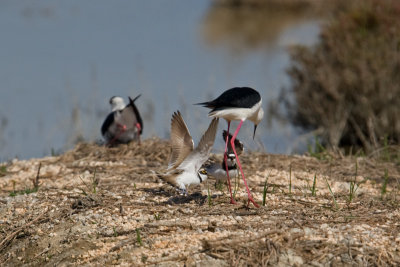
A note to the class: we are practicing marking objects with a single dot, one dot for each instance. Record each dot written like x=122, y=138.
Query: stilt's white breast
x=231, y=114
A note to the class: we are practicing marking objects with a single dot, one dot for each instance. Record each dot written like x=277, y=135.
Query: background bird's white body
x=124, y=123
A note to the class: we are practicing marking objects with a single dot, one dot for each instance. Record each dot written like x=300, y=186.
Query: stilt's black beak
x=255, y=128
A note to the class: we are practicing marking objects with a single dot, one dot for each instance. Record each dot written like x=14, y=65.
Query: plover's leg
x=182, y=190
x=226, y=164
x=240, y=166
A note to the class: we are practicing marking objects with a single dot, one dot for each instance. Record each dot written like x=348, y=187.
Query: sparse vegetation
x=27, y=191
x=219, y=185
x=94, y=182
x=209, y=198
x=3, y=170
x=313, y=189
x=265, y=189
x=157, y=216
x=384, y=184
x=332, y=194
x=155, y=229
x=353, y=186
x=346, y=86
x=138, y=237
x=317, y=150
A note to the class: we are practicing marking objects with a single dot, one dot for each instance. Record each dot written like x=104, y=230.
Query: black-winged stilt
x=238, y=103
x=185, y=164
x=124, y=123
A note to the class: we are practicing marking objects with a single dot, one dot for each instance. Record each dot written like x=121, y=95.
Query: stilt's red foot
x=252, y=201
x=233, y=201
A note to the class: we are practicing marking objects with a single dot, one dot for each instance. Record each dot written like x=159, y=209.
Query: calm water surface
x=61, y=61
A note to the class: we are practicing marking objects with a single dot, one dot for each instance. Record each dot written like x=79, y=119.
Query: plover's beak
x=255, y=128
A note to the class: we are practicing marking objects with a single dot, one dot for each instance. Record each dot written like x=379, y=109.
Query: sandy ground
x=132, y=218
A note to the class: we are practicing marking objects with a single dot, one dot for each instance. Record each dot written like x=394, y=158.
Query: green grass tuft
x=26, y=191
x=95, y=181
x=384, y=185
x=265, y=188
x=333, y=195
x=317, y=151
x=138, y=237
x=218, y=185
x=3, y=170
x=353, y=186
x=314, y=186
x=209, y=198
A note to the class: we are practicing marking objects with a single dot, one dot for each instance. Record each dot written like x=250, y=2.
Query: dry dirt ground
x=133, y=218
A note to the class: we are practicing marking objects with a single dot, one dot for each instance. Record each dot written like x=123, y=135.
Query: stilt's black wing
x=136, y=111
x=237, y=97
x=107, y=122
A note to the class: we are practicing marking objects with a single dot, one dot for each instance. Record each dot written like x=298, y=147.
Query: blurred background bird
x=124, y=124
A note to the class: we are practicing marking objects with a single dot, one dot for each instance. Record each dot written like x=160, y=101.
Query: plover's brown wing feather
x=170, y=177
x=197, y=158
x=181, y=140
x=238, y=144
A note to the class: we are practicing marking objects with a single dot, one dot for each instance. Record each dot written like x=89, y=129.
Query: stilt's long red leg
x=240, y=166
x=226, y=164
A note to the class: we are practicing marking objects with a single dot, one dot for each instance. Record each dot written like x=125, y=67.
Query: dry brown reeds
x=348, y=84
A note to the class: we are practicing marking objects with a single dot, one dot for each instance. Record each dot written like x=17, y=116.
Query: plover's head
x=257, y=119
x=202, y=173
x=117, y=103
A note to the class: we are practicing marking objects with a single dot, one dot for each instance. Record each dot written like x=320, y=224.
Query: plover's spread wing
x=194, y=160
x=181, y=140
x=238, y=144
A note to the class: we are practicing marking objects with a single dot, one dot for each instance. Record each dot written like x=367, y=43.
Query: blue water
x=61, y=61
